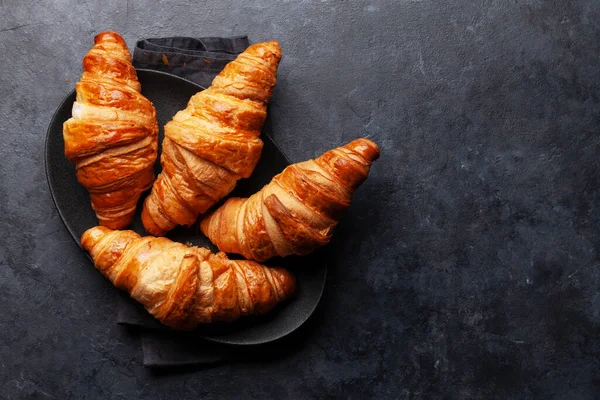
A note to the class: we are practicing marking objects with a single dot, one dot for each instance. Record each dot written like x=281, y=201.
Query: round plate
x=170, y=94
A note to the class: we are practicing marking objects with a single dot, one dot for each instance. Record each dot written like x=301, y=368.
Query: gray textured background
x=468, y=264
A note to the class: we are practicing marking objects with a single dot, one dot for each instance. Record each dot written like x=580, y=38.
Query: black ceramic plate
x=170, y=94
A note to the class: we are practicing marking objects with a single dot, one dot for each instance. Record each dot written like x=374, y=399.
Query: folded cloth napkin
x=179, y=349
x=198, y=60
x=164, y=347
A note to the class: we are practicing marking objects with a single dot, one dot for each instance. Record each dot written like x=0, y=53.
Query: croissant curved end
x=269, y=49
x=109, y=36
x=149, y=225
x=287, y=280
x=365, y=147
x=273, y=46
x=93, y=236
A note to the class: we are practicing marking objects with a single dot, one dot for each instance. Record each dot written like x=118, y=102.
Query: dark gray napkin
x=198, y=60
x=178, y=349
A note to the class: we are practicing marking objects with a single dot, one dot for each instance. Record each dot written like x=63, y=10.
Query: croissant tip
x=271, y=46
x=110, y=36
x=287, y=281
x=204, y=225
x=93, y=236
x=365, y=147
x=149, y=225
x=275, y=44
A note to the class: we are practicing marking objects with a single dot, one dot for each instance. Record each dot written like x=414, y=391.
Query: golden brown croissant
x=297, y=211
x=214, y=142
x=183, y=286
x=112, y=137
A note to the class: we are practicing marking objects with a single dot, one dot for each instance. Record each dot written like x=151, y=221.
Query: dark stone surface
x=468, y=264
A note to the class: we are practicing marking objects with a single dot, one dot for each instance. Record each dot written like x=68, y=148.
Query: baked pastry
x=184, y=286
x=214, y=142
x=297, y=211
x=112, y=137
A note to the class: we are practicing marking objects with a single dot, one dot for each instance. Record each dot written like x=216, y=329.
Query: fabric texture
x=198, y=60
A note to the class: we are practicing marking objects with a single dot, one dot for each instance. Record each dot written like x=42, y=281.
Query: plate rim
x=211, y=338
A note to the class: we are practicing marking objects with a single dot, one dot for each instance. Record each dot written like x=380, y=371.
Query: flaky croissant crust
x=214, y=142
x=112, y=137
x=297, y=211
x=184, y=286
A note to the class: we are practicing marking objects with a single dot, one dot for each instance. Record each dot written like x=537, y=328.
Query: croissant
x=297, y=211
x=184, y=286
x=214, y=142
x=112, y=137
